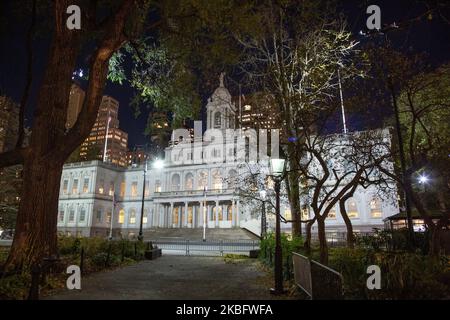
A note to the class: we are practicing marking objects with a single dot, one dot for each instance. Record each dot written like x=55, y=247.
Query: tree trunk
x=294, y=191
x=36, y=234
x=322, y=241
x=50, y=144
x=435, y=242
x=307, y=243
x=348, y=222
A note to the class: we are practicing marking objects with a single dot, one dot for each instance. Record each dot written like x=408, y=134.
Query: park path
x=176, y=277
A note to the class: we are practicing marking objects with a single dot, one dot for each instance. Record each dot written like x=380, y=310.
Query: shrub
x=403, y=275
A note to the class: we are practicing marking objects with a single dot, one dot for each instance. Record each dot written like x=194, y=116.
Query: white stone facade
x=180, y=194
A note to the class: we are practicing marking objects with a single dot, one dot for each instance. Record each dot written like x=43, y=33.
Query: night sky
x=432, y=37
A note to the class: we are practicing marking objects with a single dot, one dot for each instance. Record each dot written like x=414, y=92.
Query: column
x=208, y=212
x=233, y=213
x=200, y=215
x=170, y=215
x=238, y=213
x=180, y=216
x=217, y=213
x=186, y=207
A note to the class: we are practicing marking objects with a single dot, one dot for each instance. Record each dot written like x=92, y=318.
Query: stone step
x=197, y=234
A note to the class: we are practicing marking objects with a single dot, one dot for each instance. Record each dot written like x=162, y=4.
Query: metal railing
x=318, y=281
x=208, y=247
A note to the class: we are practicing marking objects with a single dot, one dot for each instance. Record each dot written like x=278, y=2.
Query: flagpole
x=106, y=137
x=204, y=215
x=342, y=103
x=112, y=216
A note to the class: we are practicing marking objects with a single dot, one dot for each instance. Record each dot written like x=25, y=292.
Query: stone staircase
x=197, y=234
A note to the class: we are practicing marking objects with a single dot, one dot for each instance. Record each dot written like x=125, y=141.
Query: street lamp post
x=141, y=235
x=262, y=194
x=277, y=171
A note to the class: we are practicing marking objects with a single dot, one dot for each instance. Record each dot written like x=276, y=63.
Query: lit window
x=147, y=188
x=108, y=217
x=352, y=209
x=202, y=180
x=134, y=189
x=189, y=185
x=132, y=216
x=101, y=187
x=287, y=214
x=144, y=219
x=375, y=208
x=157, y=186
x=121, y=216
x=111, y=189
x=65, y=186
x=217, y=180
x=122, y=189
x=86, y=185
x=305, y=213
x=75, y=186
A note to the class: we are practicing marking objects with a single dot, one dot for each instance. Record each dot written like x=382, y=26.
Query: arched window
x=132, y=218
x=176, y=182
x=217, y=180
x=217, y=120
x=232, y=176
x=189, y=182
x=202, y=180
x=375, y=208
x=157, y=186
x=352, y=208
x=121, y=216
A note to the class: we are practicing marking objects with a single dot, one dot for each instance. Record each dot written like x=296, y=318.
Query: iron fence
x=209, y=247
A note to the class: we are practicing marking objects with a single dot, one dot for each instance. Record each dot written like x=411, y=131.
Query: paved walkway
x=177, y=277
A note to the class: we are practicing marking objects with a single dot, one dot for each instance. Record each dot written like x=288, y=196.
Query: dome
x=221, y=93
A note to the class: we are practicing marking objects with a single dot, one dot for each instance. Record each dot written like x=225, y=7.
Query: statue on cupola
x=220, y=109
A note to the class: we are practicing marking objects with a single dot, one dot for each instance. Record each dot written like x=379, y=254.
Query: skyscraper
x=116, y=144
x=76, y=100
x=160, y=131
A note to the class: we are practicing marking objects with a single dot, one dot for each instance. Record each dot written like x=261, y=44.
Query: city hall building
x=97, y=197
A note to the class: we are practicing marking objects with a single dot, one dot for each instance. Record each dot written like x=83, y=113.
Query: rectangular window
x=61, y=216
x=134, y=189
x=158, y=186
x=86, y=185
x=108, y=217
x=65, y=186
x=111, y=189
x=82, y=215
x=75, y=186
x=147, y=188
x=99, y=216
x=101, y=187
x=122, y=189
x=72, y=215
